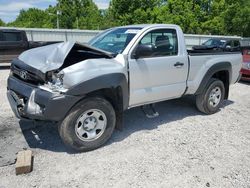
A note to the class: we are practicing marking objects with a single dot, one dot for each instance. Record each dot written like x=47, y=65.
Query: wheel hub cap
x=215, y=97
x=90, y=125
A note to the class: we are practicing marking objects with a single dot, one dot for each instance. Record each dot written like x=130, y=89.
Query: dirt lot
x=180, y=148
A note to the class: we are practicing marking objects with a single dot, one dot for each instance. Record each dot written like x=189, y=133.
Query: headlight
x=56, y=84
x=56, y=76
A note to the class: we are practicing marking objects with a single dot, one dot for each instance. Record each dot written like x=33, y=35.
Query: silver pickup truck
x=86, y=88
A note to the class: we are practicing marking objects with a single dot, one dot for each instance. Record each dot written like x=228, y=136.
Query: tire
x=208, y=101
x=88, y=125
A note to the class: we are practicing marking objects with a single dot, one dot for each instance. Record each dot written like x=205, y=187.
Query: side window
x=216, y=42
x=236, y=43
x=229, y=43
x=1, y=36
x=163, y=42
x=12, y=36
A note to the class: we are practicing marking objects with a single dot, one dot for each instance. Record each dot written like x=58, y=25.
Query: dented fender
x=90, y=69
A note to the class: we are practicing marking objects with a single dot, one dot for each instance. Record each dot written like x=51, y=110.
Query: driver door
x=160, y=73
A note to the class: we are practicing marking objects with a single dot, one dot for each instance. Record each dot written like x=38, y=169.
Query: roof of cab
x=10, y=30
x=147, y=25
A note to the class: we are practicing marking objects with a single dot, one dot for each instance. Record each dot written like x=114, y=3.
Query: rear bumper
x=30, y=102
x=245, y=74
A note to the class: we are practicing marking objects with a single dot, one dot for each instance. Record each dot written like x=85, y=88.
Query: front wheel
x=210, y=99
x=88, y=125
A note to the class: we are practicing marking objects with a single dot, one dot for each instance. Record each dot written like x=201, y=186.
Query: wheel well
x=113, y=95
x=224, y=77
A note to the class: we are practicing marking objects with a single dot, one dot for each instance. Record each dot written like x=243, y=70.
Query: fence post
x=66, y=36
x=31, y=35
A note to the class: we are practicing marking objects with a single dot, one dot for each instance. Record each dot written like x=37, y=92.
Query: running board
x=149, y=111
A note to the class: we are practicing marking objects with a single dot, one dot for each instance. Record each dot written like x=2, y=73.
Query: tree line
x=217, y=17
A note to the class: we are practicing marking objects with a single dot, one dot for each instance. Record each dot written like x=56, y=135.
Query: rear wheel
x=88, y=125
x=210, y=99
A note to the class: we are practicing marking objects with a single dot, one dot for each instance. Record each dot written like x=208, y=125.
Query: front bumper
x=30, y=102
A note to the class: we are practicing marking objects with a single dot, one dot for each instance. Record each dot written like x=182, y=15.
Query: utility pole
x=77, y=22
x=57, y=19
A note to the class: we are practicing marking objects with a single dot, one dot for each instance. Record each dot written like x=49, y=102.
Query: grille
x=25, y=75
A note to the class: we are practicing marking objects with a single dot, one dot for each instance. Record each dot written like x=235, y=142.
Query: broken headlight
x=55, y=83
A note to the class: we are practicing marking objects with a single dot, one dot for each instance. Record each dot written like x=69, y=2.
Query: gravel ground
x=180, y=148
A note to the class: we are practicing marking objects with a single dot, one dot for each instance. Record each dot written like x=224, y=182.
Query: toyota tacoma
x=86, y=88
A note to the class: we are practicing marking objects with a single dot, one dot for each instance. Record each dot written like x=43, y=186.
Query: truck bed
x=200, y=61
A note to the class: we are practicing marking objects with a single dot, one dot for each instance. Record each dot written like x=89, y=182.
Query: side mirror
x=143, y=50
x=228, y=47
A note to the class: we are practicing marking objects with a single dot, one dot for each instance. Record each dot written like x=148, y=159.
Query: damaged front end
x=36, y=85
x=32, y=102
x=54, y=82
x=44, y=65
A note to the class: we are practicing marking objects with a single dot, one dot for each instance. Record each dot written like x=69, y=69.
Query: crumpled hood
x=47, y=58
x=52, y=57
x=76, y=62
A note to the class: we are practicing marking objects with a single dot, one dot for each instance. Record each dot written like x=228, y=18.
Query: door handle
x=178, y=64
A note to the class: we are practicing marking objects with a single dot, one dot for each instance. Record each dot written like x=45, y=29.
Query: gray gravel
x=180, y=148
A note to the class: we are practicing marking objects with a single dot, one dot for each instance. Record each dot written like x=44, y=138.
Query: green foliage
x=237, y=18
x=82, y=14
x=126, y=12
x=2, y=23
x=187, y=15
x=107, y=20
x=223, y=17
x=194, y=16
x=32, y=18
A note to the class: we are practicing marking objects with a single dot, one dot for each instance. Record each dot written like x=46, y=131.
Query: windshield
x=114, y=40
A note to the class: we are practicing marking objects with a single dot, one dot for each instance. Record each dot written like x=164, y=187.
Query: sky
x=9, y=9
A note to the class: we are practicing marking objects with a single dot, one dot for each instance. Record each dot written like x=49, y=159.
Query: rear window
x=11, y=36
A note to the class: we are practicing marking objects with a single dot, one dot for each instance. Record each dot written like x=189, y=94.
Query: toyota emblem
x=23, y=75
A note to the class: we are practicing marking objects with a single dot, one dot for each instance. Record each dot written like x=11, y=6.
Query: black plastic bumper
x=30, y=102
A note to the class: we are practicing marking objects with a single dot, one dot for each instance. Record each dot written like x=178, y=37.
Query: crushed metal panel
x=52, y=57
x=90, y=68
x=47, y=58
